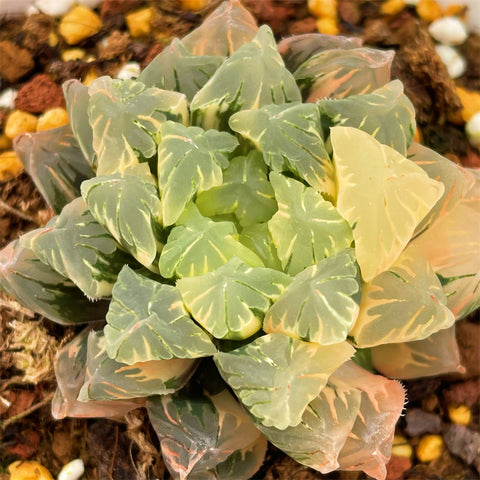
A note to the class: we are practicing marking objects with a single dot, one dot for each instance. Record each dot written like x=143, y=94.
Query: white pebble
x=448, y=31
x=90, y=3
x=455, y=63
x=14, y=7
x=7, y=98
x=72, y=470
x=472, y=129
x=55, y=8
x=129, y=70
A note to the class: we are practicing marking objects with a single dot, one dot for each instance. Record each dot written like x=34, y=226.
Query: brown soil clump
x=15, y=62
x=40, y=94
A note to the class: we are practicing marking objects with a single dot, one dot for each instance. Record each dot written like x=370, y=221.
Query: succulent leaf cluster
x=256, y=246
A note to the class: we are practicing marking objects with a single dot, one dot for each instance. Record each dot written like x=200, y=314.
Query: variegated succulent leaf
x=258, y=238
x=231, y=301
x=276, y=376
x=251, y=77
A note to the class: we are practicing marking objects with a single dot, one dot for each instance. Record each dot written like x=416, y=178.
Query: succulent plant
x=255, y=244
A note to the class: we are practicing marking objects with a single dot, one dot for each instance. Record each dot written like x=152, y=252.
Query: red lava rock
x=28, y=446
x=397, y=466
x=420, y=422
x=463, y=442
x=467, y=393
x=15, y=62
x=40, y=94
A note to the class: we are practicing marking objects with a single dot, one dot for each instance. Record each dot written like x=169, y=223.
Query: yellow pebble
x=79, y=24
x=401, y=447
x=392, y=7
x=10, y=166
x=20, y=122
x=452, y=10
x=471, y=102
x=139, y=22
x=194, y=5
x=73, y=54
x=53, y=118
x=90, y=77
x=5, y=142
x=429, y=10
x=22, y=470
x=460, y=414
x=429, y=448
x=323, y=8
x=327, y=26
x=52, y=39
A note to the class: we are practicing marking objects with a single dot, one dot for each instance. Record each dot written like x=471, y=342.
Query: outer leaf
x=326, y=423
x=125, y=117
x=55, y=163
x=224, y=31
x=258, y=239
x=296, y=49
x=435, y=355
x=190, y=160
x=152, y=324
x=128, y=205
x=384, y=207
x=79, y=248
x=306, y=227
x=106, y=379
x=231, y=301
x=175, y=68
x=77, y=99
x=321, y=304
x=199, y=245
x=368, y=447
x=339, y=73
x=253, y=76
x=245, y=191
x=198, y=432
x=452, y=246
x=405, y=303
x=386, y=114
x=40, y=288
x=457, y=181
x=276, y=376
x=290, y=138
x=70, y=368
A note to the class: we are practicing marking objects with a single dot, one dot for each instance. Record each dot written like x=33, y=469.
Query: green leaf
x=456, y=180
x=190, y=160
x=55, y=163
x=40, y=288
x=321, y=304
x=199, y=431
x=296, y=49
x=106, y=379
x=245, y=191
x=306, y=228
x=435, y=355
x=79, y=248
x=384, y=207
x=70, y=366
x=175, y=68
x=340, y=73
x=290, y=138
x=231, y=301
x=199, y=245
x=252, y=77
x=152, y=324
x=404, y=303
x=276, y=376
x=125, y=117
x=258, y=239
x=326, y=423
x=224, y=31
x=387, y=114
x=128, y=205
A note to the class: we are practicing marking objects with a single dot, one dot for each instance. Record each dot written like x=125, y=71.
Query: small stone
x=470, y=101
x=7, y=98
x=460, y=414
x=53, y=118
x=78, y=24
x=397, y=466
x=429, y=448
x=401, y=447
x=467, y=393
x=21, y=470
x=323, y=8
x=472, y=129
x=5, y=142
x=420, y=422
x=10, y=166
x=15, y=62
x=72, y=470
x=453, y=60
x=327, y=26
x=18, y=7
x=139, y=22
x=19, y=122
x=73, y=54
x=463, y=442
x=194, y=5
x=392, y=7
x=40, y=94
x=429, y=10
x=54, y=8
x=129, y=70
x=448, y=31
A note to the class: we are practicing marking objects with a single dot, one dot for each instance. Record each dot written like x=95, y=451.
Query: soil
x=128, y=448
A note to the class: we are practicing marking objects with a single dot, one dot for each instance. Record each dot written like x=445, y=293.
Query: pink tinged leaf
x=368, y=447
x=435, y=355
